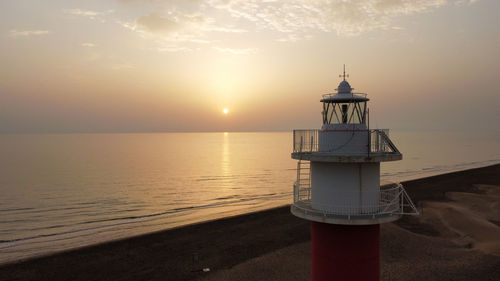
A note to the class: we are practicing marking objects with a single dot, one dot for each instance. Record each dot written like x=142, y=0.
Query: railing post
x=402, y=203
x=369, y=142
x=295, y=193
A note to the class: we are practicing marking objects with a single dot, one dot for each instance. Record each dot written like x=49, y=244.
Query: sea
x=64, y=191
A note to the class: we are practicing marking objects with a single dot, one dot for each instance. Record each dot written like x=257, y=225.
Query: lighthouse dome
x=344, y=88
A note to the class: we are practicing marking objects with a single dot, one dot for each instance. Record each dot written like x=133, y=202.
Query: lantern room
x=344, y=109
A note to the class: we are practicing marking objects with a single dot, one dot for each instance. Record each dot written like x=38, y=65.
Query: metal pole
x=369, y=133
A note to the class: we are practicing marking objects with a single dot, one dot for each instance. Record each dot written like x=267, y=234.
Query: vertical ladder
x=302, y=187
x=303, y=180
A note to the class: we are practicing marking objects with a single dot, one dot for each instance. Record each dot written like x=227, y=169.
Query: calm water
x=65, y=191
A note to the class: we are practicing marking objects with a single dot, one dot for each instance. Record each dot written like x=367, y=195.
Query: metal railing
x=326, y=96
x=307, y=141
x=380, y=142
x=393, y=200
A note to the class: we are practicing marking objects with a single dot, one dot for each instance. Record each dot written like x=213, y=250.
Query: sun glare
x=225, y=111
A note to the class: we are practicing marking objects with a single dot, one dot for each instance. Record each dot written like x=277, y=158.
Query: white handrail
x=307, y=141
x=392, y=201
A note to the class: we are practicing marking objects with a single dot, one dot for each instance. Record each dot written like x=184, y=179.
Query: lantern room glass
x=353, y=112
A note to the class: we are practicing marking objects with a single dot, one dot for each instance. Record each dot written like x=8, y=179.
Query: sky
x=126, y=66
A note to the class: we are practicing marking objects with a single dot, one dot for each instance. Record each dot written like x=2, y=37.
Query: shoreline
x=430, y=172
x=78, y=230
x=180, y=253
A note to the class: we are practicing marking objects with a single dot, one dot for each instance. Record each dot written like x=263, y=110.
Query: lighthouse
x=338, y=188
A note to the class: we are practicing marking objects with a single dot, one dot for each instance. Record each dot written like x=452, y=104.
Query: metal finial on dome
x=344, y=87
x=344, y=75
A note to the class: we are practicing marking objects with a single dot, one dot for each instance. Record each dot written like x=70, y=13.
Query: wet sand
x=455, y=238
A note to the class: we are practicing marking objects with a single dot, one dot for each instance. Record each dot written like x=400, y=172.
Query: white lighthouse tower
x=338, y=188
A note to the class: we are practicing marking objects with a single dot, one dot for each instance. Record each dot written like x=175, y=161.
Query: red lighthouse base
x=345, y=252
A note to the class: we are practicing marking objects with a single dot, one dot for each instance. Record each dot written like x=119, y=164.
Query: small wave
x=16, y=209
x=132, y=219
x=226, y=197
x=183, y=208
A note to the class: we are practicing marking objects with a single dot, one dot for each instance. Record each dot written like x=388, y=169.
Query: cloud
x=470, y=2
x=157, y=23
x=179, y=22
x=93, y=15
x=165, y=32
x=346, y=18
x=174, y=49
x=26, y=33
x=291, y=37
x=245, y=51
x=88, y=45
x=171, y=29
x=197, y=21
x=224, y=29
x=81, y=12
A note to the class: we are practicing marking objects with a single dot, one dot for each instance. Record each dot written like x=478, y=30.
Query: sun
x=225, y=111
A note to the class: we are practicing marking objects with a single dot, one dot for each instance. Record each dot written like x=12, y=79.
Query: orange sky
x=158, y=65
